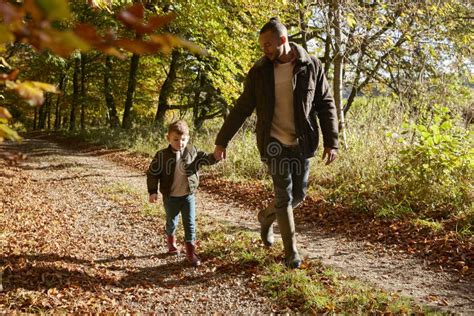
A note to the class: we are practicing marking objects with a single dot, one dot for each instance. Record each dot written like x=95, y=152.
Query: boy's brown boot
x=191, y=254
x=171, y=241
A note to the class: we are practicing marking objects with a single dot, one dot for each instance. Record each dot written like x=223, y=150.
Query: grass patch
x=153, y=209
x=312, y=289
x=121, y=193
x=428, y=223
x=125, y=194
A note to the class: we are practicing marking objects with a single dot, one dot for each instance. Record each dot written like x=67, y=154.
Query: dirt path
x=78, y=241
x=394, y=272
x=113, y=249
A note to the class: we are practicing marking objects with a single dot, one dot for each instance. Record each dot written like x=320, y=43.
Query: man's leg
x=300, y=174
x=283, y=188
x=286, y=223
x=266, y=217
x=277, y=168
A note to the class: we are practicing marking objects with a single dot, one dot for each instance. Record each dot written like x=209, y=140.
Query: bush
x=433, y=171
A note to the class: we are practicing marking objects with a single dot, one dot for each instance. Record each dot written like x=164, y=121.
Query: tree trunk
x=132, y=82
x=197, y=97
x=49, y=114
x=166, y=89
x=203, y=112
x=41, y=116
x=75, y=92
x=57, y=117
x=303, y=24
x=112, y=117
x=35, y=119
x=338, y=70
x=327, y=44
x=83, y=90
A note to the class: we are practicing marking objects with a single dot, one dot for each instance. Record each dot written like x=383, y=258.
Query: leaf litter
x=378, y=251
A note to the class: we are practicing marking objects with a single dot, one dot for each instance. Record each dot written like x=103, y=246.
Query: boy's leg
x=189, y=223
x=188, y=214
x=172, y=208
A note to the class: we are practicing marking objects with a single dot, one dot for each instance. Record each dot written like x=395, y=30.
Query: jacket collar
x=302, y=57
x=186, y=150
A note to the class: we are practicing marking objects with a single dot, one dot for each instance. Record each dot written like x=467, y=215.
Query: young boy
x=176, y=169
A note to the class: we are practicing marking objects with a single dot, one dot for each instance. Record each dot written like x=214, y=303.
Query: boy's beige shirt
x=180, y=186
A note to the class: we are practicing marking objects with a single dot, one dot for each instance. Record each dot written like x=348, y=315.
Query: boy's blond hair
x=179, y=127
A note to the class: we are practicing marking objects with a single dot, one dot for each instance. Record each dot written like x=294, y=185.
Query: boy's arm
x=205, y=159
x=202, y=159
x=153, y=174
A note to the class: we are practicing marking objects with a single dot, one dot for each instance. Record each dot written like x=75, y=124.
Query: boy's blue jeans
x=185, y=205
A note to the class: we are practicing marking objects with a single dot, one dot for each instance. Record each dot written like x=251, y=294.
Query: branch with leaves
x=44, y=26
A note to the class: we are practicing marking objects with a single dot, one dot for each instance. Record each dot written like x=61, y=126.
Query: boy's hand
x=153, y=198
x=219, y=152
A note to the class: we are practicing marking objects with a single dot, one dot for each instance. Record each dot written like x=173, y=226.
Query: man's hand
x=153, y=198
x=331, y=154
x=219, y=152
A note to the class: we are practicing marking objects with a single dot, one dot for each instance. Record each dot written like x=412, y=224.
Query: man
x=288, y=89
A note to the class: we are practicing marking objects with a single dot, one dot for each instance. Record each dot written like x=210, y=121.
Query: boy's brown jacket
x=163, y=165
x=312, y=99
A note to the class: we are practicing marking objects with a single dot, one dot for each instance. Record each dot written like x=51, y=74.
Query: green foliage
x=5, y=130
x=121, y=192
x=296, y=287
x=153, y=210
x=426, y=173
x=433, y=171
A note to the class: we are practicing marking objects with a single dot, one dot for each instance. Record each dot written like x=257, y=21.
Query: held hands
x=331, y=154
x=153, y=198
x=219, y=153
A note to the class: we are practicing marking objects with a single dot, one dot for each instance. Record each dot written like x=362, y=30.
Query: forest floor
x=75, y=237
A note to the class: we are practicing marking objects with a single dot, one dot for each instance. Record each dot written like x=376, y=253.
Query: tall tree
x=167, y=88
x=112, y=117
x=373, y=37
x=57, y=113
x=83, y=93
x=75, y=92
x=132, y=83
x=338, y=68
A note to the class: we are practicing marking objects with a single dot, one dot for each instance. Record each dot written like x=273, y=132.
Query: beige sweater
x=283, y=124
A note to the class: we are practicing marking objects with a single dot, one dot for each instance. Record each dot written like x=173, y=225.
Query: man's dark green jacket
x=162, y=167
x=311, y=98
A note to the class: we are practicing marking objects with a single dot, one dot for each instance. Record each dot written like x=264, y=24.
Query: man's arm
x=243, y=108
x=323, y=105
